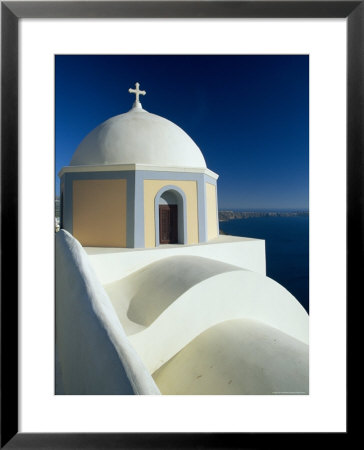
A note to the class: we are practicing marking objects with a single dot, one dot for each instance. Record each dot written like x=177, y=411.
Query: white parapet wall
x=231, y=294
x=125, y=315
x=112, y=264
x=237, y=357
x=94, y=355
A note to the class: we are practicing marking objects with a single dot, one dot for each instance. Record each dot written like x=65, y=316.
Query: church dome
x=138, y=137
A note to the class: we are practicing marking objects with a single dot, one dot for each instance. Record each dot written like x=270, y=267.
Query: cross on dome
x=137, y=92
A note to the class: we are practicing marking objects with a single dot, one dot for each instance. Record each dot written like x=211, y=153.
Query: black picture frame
x=11, y=12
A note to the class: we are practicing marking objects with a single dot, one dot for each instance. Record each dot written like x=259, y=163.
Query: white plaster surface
x=157, y=306
x=94, y=355
x=138, y=137
x=112, y=264
x=140, y=298
x=206, y=301
x=237, y=357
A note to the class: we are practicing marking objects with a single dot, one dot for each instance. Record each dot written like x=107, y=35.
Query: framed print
x=59, y=61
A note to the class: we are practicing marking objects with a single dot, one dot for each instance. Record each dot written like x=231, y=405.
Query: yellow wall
x=212, y=230
x=151, y=188
x=99, y=212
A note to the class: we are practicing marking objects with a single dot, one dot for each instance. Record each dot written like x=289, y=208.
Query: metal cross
x=137, y=92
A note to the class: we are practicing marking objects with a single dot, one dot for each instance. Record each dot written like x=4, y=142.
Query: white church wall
x=237, y=357
x=237, y=294
x=140, y=298
x=93, y=352
x=114, y=263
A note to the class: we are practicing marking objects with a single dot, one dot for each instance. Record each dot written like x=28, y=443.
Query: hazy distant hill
x=225, y=215
x=57, y=207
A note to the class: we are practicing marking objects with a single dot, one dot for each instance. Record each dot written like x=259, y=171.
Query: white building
x=138, y=180
x=149, y=298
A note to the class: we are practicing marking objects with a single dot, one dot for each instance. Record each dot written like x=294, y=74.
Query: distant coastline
x=226, y=215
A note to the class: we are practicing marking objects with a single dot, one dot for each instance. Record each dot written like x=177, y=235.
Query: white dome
x=138, y=137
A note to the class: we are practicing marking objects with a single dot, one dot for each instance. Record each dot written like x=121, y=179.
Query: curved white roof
x=138, y=137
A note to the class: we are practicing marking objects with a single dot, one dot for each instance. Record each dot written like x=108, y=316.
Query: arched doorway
x=170, y=216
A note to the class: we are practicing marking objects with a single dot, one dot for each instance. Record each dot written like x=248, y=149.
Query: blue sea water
x=287, y=249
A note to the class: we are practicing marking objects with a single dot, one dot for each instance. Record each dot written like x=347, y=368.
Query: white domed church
x=138, y=180
x=137, y=317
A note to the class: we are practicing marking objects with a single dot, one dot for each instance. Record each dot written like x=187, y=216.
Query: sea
x=287, y=249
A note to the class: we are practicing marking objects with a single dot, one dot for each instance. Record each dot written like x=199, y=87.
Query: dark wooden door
x=168, y=224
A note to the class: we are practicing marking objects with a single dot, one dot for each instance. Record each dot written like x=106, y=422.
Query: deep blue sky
x=248, y=114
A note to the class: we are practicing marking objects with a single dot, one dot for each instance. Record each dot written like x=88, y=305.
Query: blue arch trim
x=182, y=195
